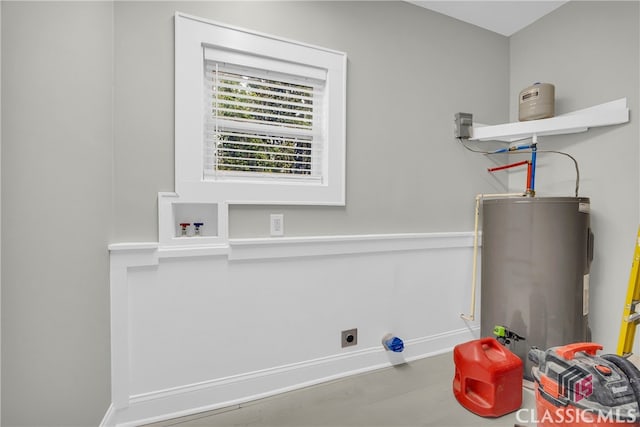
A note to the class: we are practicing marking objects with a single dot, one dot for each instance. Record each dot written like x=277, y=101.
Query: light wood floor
x=415, y=394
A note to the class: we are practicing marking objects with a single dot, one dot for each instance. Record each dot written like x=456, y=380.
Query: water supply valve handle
x=183, y=226
x=569, y=351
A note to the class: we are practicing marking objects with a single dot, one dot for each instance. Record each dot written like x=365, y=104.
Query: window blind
x=261, y=123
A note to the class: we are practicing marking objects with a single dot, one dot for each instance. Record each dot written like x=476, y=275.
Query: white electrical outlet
x=277, y=224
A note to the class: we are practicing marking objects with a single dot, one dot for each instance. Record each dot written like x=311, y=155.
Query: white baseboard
x=224, y=392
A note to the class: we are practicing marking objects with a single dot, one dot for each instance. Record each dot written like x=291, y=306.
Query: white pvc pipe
x=474, y=278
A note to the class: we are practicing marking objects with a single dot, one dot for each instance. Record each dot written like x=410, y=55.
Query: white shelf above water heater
x=607, y=114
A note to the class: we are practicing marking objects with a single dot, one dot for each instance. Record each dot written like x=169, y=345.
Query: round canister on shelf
x=536, y=102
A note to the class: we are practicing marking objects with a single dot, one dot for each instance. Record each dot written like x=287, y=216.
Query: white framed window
x=261, y=125
x=259, y=119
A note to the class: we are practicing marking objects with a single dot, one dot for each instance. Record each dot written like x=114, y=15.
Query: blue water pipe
x=533, y=146
x=534, y=156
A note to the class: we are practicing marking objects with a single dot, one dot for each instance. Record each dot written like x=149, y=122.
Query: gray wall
x=590, y=52
x=0, y=219
x=87, y=109
x=409, y=71
x=87, y=142
x=57, y=144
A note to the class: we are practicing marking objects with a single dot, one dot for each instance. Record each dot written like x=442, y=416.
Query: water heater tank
x=536, y=255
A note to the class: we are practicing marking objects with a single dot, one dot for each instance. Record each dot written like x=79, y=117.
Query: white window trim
x=191, y=33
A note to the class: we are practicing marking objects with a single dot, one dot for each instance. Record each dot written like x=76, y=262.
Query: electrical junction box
x=463, y=123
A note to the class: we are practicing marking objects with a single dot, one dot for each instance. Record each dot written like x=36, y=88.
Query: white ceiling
x=503, y=17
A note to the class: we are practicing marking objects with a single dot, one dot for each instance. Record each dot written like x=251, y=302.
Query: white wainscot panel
x=209, y=331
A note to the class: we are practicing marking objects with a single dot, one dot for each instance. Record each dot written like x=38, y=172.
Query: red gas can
x=488, y=378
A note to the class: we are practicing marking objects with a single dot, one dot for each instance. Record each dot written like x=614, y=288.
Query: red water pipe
x=499, y=168
x=512, y=165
